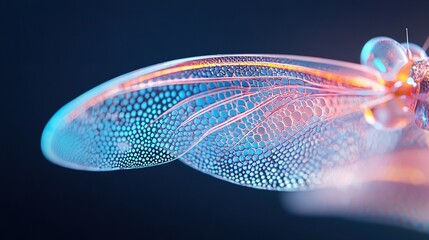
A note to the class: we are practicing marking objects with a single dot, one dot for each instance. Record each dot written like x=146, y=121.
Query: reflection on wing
x=271, y=122
x=392, y=188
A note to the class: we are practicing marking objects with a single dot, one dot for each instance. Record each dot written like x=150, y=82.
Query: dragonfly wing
x=277, y=156
x=269, y=121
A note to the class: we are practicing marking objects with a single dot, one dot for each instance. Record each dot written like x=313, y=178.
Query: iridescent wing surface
x=264, y=121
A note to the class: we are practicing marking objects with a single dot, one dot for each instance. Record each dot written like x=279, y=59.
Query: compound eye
x=385, y=55
x=417, y=53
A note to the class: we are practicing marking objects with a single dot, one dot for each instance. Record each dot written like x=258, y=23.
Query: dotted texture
x=268, y=122
x=422, y=107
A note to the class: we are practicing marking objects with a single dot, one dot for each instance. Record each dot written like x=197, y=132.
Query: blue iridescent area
x=270, y=122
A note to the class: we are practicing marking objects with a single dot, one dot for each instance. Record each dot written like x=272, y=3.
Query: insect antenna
x=408, y=44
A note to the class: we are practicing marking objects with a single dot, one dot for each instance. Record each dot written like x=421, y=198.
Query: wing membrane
x=271, y=122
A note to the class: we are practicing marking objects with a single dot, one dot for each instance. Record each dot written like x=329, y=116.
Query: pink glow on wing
x=147, y=80
x=406, y=166
x=264, y=121
x=391, y=189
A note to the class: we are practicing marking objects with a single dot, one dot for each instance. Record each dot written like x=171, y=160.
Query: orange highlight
x=353, y=81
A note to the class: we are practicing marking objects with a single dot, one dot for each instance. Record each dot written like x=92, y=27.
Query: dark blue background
x=52, y=51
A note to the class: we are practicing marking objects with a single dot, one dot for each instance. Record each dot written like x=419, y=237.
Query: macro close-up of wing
x=264, y=121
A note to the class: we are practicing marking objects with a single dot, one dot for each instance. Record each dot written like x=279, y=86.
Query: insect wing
x=270, y=122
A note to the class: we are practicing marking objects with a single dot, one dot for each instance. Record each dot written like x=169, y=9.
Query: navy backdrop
x=52, y=51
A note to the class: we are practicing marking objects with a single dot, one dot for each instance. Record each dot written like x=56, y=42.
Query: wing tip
x=48, y=149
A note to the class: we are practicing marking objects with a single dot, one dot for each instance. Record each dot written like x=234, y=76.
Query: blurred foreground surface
x=389, y=189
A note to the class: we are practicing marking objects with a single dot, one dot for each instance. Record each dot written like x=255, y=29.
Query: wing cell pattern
x=270, y=122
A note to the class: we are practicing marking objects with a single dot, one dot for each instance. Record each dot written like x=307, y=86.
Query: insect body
x=265, y=121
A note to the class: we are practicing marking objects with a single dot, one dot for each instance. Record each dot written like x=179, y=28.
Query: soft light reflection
x=392, y=189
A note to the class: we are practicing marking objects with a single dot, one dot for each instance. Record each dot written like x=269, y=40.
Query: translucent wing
x=390, y=188
x=271, y=122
